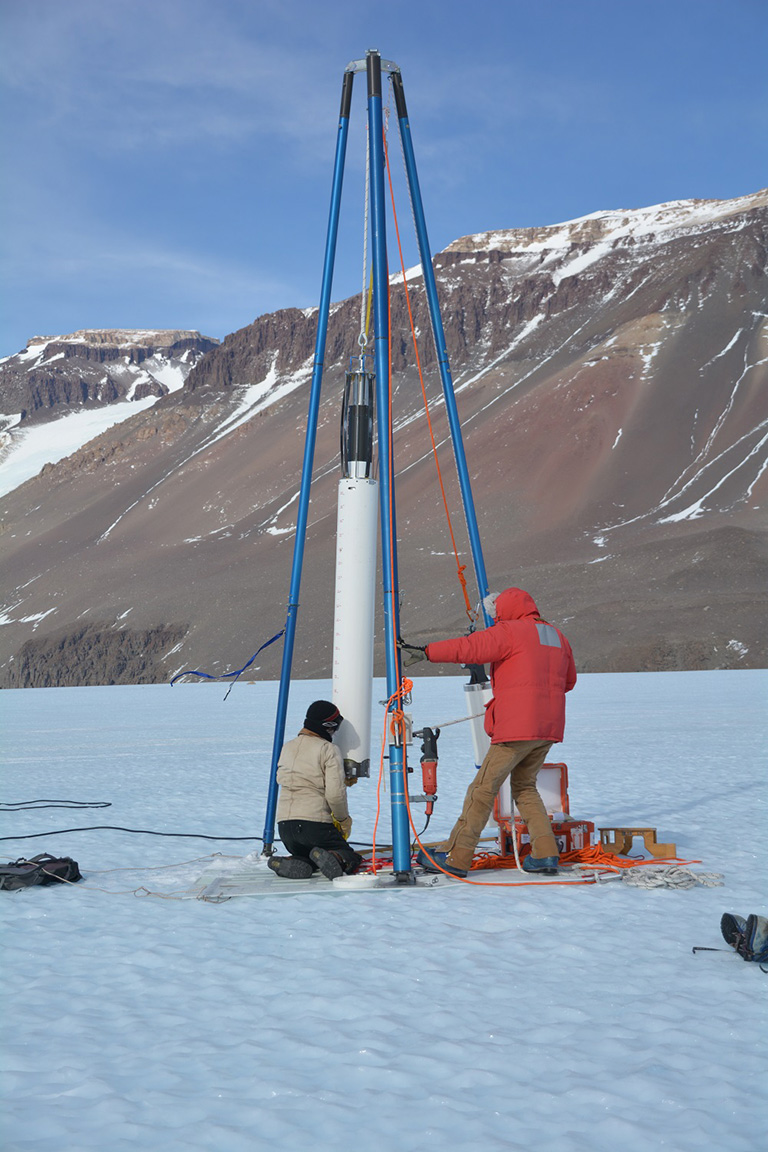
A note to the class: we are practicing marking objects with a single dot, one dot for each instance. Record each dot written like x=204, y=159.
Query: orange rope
x=460, y=568
x=596, y=856
x=593, y=857
x=479, y=863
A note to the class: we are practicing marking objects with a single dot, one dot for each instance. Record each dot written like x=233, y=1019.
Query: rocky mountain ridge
x=611, y=381
x=95, y=367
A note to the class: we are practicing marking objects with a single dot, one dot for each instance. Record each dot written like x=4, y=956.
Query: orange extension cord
x=593, y=857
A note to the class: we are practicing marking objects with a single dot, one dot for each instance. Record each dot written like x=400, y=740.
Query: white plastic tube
x=356, y=536
x=476, y=696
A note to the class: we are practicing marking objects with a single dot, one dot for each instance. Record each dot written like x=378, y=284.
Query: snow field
x=458, y=1018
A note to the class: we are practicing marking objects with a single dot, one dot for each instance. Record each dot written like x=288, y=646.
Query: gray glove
x=411, y=653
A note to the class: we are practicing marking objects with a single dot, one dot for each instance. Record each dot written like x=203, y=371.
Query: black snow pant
x=301, y=836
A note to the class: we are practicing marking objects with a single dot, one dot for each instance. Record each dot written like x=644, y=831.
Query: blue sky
x=167, y=163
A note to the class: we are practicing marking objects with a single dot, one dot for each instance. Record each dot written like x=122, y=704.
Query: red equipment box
x=571, y=835
x=552, y=783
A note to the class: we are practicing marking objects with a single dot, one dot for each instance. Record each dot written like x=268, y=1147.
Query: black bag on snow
x=42, y=869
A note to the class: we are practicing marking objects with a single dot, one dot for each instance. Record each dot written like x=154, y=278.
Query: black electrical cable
x=138, y=831
x=149, y=832
x=35, y=805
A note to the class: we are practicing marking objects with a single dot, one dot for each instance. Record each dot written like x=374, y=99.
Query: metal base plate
x=259, y=880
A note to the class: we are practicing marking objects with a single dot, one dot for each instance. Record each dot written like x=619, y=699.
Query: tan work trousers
x=521, y=759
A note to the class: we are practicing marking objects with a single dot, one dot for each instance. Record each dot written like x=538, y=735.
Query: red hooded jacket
x=531, y=669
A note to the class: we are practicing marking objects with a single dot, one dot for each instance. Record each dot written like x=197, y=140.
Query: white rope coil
x=670, y=876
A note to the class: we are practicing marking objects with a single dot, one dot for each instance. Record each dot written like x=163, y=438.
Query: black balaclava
x=323, y=718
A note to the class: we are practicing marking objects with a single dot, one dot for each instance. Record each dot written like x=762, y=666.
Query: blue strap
x=228, y=675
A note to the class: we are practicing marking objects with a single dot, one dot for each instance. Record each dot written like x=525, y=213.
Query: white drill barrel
x=356, y=536
x=476, y=696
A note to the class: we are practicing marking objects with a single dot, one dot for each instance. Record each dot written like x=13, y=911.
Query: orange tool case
x=552, y=782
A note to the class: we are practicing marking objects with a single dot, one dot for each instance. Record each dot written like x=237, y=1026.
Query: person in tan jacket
x=313, y=818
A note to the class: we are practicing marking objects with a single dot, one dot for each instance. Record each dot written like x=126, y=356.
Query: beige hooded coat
x=310, y=773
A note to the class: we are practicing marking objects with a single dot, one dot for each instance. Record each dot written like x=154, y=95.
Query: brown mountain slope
x=611, y=381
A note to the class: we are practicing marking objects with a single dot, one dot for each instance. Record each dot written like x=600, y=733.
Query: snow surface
x=472, y=1019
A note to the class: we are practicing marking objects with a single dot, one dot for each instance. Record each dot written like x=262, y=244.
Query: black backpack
x=42, y=869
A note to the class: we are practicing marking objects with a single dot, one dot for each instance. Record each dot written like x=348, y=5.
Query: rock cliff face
x=93, y=368
x=610, y=374
x=94, y=654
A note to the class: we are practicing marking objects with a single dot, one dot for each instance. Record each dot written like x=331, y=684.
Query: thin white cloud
x=134, y=126
x=86, y=273
x=147, y=74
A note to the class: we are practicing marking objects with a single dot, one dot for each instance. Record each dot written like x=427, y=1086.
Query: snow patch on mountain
x=125, y=371
x=604, y=229
x=25, y=453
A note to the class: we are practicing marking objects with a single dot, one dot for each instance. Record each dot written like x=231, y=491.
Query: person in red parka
x=532, y=668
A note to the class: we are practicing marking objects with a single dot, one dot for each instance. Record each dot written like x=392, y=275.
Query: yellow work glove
x=345, y=827
x=350, y=780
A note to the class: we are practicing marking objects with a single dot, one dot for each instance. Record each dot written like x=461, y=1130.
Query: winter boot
x=544, y=865
x=352, y=865
x=733, y=929
x=327, y=862
x=436, y=861
x=290, y=867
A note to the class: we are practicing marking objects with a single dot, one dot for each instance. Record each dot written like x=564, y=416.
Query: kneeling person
x=313, y=818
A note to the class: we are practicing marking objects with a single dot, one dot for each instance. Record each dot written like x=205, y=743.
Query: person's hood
x=515, y=604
